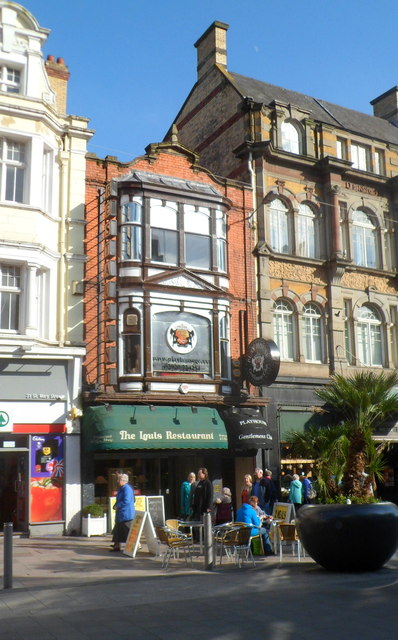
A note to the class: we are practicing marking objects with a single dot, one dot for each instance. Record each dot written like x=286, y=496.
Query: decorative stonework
x=361, y=281
x=297, y=272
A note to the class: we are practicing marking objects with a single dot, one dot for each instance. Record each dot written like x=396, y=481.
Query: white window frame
x=360, y=156
x=291, y=137
x=279, y=225
x=7, y=84
x=164, y=218
x=364, y=240
x=307, y=243
x=131, y=230
x=369, y=337
x=10, y=147
x=312, y=333
x=221, y=239
x=197, y=222
x=224, y=348
x=11, y=292
x=284, y=329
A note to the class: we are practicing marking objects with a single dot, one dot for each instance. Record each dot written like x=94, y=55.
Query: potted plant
x=355, y=532
x=94, y=521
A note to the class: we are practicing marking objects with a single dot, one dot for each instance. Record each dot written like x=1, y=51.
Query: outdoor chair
x=287, y=534
x=175, y=542
x=173, y=524
x=243, y=550
x=226, y=538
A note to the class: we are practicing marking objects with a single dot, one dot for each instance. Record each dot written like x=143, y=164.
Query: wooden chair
x=287, y=534
x=175, y=542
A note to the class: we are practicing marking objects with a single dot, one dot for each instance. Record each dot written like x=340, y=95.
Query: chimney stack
x=58, y=76
x=386, y=105
x=212, y=48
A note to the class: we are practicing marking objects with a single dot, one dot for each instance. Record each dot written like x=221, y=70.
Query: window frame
x=13, y=293
x=361, y=233
x=291, y=137
x=280, y=226
x=312, y=319
x=310, y=235
x=19, y=166
x=366, y=347
x=285, y=317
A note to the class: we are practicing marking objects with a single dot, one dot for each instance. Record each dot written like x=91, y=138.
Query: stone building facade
x=42, y=189
x=325, y=197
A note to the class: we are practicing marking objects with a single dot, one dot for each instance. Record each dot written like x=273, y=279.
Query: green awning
x=300, y=421
x=152, y=427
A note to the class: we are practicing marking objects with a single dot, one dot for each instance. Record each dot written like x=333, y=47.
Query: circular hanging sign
x=261, y=362
x=181, y=337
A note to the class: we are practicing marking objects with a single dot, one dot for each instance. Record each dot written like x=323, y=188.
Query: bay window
x=164, y=235
x=131, y=230
x=197, y=237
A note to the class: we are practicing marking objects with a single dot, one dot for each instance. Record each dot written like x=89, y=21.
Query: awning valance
x=248, y=430
x=152, y=427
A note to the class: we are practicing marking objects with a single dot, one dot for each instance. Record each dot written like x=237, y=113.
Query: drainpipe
x=64, y=207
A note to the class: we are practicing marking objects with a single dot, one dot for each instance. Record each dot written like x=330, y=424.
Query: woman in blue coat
x=124, y=511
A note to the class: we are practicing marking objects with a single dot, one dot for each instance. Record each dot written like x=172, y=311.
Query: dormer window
x=10, y=79
x=291, y=137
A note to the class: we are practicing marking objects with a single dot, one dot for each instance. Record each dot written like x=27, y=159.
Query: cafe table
x=191, y=525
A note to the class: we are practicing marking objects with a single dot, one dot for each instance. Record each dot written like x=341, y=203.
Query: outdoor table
x=194, y=524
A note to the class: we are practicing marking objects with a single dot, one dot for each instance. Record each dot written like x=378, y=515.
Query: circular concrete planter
x=349, y=537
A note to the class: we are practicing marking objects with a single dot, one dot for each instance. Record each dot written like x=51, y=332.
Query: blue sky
x=133, y=62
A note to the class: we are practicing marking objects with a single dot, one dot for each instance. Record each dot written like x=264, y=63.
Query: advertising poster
x=46, y=478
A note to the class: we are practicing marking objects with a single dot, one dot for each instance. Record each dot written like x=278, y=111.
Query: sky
x=133, y=62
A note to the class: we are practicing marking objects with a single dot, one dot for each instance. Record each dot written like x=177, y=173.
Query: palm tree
x=328, y=447
x=362, y=402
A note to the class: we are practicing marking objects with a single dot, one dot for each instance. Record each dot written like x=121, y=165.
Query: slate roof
x=170, y=181
x=320, y=110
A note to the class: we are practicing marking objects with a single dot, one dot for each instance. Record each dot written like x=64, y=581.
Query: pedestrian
x=307, y=489
x=202, y=495
x=223, y=509
x=270, y=492
x=124, y=512
x=261, y=489
x=186, y=496
x=247, y=488
x=295, y=492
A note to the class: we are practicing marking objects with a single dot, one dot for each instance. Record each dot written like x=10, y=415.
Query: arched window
x=284, y=329
x=364, y=239
x=291, y=138
x=307, y=232
x=312, y=333
x=369, y=337
x=279, y=221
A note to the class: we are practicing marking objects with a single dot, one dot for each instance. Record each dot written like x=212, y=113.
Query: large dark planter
x=349, y=537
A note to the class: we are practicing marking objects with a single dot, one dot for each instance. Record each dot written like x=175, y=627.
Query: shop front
x=156, y=445
x=33, y=444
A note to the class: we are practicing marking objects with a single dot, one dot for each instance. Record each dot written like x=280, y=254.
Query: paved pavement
x=74, y=589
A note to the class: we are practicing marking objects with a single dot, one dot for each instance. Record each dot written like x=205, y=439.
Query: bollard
x=208, y=541
x=8, y=555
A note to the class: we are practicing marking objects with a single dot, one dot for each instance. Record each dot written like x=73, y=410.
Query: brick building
x=170, y=309
x=325, y=184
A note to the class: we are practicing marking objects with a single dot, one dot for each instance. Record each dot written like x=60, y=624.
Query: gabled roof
x=320, y=110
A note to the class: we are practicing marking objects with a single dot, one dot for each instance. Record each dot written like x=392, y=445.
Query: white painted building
x=42, y=194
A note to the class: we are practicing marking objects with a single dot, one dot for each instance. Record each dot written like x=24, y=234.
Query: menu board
x=155, y=506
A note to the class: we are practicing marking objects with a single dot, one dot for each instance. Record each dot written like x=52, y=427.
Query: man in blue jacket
x=124, y=511
x=247, y=514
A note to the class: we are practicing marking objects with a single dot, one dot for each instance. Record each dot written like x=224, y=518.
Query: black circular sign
x=261, y=362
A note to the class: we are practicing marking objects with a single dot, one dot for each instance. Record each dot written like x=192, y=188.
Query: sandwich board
x=142, y=524
x=283, y=511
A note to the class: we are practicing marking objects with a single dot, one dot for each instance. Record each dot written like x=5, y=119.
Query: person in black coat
x=202, y=501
